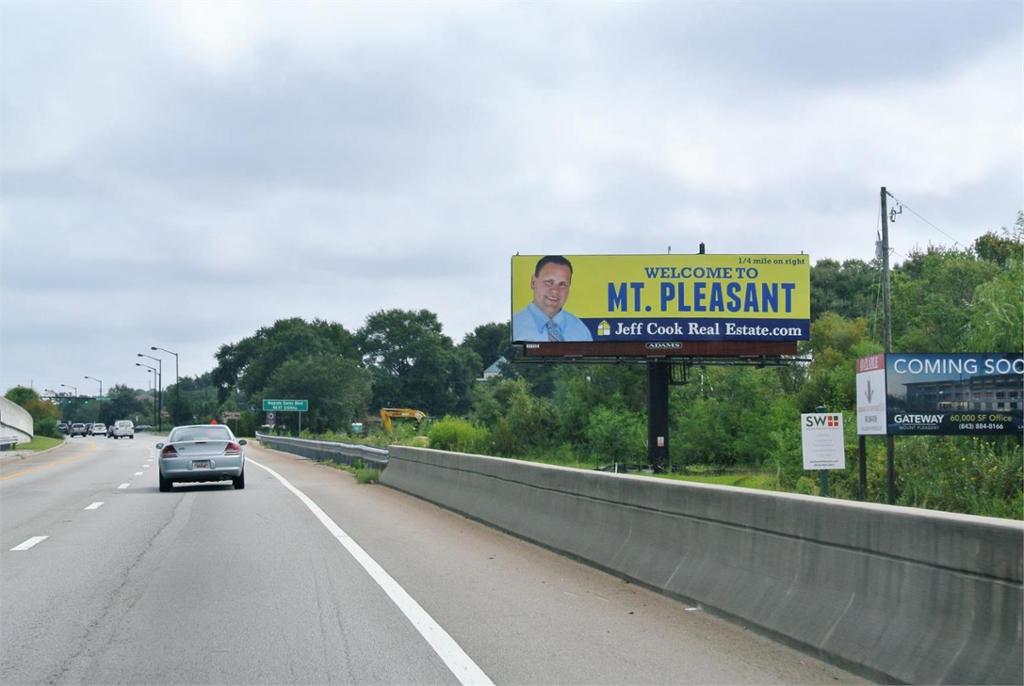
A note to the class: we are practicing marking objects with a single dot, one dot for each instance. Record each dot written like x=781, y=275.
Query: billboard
x=660, y=298
x=945, y=393
x=871, y=411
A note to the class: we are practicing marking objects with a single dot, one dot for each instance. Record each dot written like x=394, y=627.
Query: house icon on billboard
x=604, y=328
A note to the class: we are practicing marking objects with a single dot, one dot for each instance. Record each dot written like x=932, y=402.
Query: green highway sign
x=285, y=405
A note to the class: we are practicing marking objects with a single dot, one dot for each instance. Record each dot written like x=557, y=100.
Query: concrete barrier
x=15, y=421
x=896, y=594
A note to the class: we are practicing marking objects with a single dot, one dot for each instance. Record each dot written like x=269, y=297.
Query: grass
x=759, y=480
x=363, y=474
x=367, y=475
x=39, y=443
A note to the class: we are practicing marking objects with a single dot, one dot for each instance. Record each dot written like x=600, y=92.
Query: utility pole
x=886, y=294
x=890, y=442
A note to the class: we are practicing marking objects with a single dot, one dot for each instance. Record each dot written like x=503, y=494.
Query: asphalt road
x=356, y=584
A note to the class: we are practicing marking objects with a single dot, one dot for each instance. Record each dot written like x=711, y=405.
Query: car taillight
x=169, y=451
x=232, y=449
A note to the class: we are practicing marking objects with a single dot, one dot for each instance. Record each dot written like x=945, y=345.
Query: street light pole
x=100, y=383
x=177, y=388
x=152, y=369
x=160, y=390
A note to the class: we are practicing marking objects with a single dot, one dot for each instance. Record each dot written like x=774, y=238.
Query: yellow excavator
x=389, y=413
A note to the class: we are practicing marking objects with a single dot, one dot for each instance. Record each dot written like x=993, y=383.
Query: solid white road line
x=456, y=659
x=123, y=486
x=29, y=543
x=95, y=506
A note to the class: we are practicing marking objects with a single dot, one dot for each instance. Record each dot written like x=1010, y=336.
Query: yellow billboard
x=660, y=298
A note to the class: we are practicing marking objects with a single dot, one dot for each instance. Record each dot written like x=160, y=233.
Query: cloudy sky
x=180, y=174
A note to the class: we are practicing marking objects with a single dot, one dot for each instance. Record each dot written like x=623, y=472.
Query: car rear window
x=201, y=433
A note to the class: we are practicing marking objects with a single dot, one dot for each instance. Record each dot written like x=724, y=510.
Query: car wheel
x=165, y=484
x=239, y=481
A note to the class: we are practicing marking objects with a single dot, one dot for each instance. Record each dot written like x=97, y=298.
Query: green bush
x=459, y=435
x=46, y=426
x=246, y=425
x=957, y=474
x=617, y=436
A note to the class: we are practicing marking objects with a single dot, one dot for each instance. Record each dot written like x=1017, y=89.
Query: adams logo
x=659, y=345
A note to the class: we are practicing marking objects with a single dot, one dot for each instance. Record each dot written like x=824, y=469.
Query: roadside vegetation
x=40, y=443
x=732, y=425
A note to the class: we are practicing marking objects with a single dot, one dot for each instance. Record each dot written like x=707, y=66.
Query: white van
x=124, y=428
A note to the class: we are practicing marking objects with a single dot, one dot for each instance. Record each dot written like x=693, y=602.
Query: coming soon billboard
x=940, y=393
x=652, y=298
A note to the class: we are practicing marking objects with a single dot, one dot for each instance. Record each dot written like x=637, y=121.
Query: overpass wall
x=897, y=594
x=15, y=421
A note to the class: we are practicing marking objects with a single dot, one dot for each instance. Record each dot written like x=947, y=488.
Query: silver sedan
x=201, y=452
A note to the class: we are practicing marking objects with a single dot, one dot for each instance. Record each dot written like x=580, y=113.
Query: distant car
x=201, y=452
x=79, y=429
x=98, y=429
x=64, y=427
x=110, y=431
x=123, y=428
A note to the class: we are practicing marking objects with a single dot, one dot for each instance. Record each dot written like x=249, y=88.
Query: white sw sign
x=823, y=441
x=871, y=418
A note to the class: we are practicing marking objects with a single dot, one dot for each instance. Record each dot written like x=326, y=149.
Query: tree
x=519, y=423
x=248, y=365
x=725, y=416
x=580, y=390
x=996, y=318
x=617, y=436
x=932, y=296
x=28, y=399
x=414, y=364
x=850, y=289
x=19, y=395
x=1003, y=247
x=200, y=401
x=489, y=342
x=122, y=403
x=338, y=390
x=836, y=343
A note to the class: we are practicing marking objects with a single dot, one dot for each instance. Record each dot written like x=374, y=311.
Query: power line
x=916, y=214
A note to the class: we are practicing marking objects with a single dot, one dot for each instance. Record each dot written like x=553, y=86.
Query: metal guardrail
x=348, y=453
x=8, y=442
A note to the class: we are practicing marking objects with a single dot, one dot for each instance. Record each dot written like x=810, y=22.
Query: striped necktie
x=554, y=333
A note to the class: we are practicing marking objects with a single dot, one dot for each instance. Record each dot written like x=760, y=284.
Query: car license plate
x=200, y=464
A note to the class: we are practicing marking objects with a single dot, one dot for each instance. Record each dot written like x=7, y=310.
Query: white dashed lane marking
x=35, y=540
x=123, y=486
x=94, y=506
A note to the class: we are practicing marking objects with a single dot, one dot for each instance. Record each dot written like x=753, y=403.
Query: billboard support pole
x=890, y=462
x=862, y=458
x=659, y=376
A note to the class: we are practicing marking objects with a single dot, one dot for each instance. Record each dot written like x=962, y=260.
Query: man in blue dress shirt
x=544, y=319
